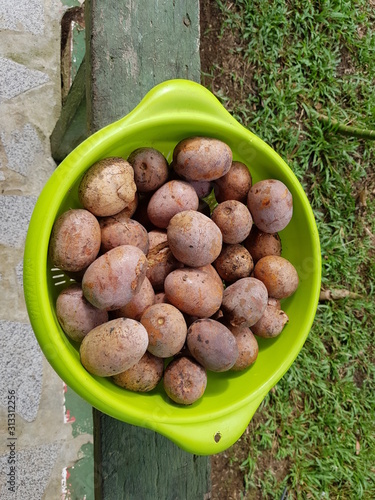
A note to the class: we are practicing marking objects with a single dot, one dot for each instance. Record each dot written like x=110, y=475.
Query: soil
x=220, y=61
x=228, y=480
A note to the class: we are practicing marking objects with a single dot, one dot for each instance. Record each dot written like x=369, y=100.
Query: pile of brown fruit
x=166, y=288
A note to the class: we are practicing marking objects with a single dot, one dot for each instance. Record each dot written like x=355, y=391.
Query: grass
x=314, y=434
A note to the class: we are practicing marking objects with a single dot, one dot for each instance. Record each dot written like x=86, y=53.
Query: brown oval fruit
x=234, y=263
x=144, y=376
x=130, y=208
x=195, y=291
x=278, y=274
x=160, y=259
x=150, y=169
x=234, y=185
x=75, y=240
x=260, y=244
x=212, y=344
x=184, y=380
x=194, y=239
x=202, y=158
x=274, y=302
x=271, y=324
x=171, y=198
x=144, y=298
x=113, y=347
x=244, y=301
x=107, y=187
x=113, y=279
x=271, y=205
x=166, y=328
x=118, y=229
x=234, y=221
x=76, y=315
x=247, y=347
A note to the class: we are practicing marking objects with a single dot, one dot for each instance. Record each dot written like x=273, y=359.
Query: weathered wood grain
x=71, y=128
x=139, y=464
x=134, y=45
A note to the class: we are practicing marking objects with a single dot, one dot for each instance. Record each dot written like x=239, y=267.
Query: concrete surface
x=39, y=446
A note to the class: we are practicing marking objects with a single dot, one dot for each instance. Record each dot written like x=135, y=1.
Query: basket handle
x=214, y=435
x=181, y=96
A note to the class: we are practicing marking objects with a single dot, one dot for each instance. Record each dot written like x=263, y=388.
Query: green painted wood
x=137, y=44
x=73, y=46
x=130, y=47
x=139, y=464
x=71, y=128
x=79, y=48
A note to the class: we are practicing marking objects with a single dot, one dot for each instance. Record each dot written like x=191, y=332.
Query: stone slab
x=22, y=15
x=21, y=368
x=15, y=217
x=34, y=467
x=23, y=148
x=16, y=78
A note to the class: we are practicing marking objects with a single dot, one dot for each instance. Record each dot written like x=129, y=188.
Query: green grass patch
x=314, y=434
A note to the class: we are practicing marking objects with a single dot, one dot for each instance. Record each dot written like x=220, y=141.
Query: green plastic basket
x=171, y=111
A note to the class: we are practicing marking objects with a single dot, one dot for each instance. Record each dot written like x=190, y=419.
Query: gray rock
x=21, y=368
x=15, y=218
x=32, y=471
x=23, y=149
x=22, y=15
x=16, y=79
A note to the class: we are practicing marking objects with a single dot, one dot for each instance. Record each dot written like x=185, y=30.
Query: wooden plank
x=73, y=46
x=139, y=464
x=133, y=46
x=71, y=128
x=130, y=47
